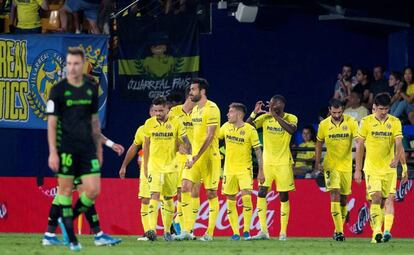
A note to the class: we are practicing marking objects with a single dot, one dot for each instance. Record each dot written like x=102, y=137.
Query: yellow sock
x=284, y=216
x=168, y=214
x=233, y=216
x=262, y=211
x=247, y=212
x=212, y=216
x=145, y=217
x=195, y=205
x=388, y=221
x=186, y=206
x=375, y=214
x=344, y=212
x=337, y=217
x=179, y=216
x=153, y=214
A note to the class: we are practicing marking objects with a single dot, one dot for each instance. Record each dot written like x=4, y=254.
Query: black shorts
x=78, y=165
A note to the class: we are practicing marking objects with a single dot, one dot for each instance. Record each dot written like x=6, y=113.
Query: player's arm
x=318, y=155
x=407, y=98
x=147, y=143
x=403, y=161
x=289, y=127
x=131, y=152
x=119, y=149
x=258, y=109
x=210, y=136
x=360, y=150
x=96, y=135
x=187, y=144
x=12, y=16
x=259, y=157
x=51, y=137
x=44, y=5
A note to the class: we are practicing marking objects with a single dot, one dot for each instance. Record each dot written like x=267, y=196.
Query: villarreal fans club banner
x=31, y=65
x=157, y=55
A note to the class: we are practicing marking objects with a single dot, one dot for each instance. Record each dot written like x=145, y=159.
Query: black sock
x=67, y=214
x=53, y=218
x=79, y=208
x=93, y=219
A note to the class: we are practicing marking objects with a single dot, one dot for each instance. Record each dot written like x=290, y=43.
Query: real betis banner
x=157, y=55
x=30, y=65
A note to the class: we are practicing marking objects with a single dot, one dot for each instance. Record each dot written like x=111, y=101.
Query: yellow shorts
x=282, y=175
x=163, y=183
x=207, y=169
x=338, y=180
x=181, y=167
x=386, y=184
x=144, y=189
x=232, y=183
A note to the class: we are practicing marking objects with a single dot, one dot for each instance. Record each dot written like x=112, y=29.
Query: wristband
x=404, y=168
x=253, y=115
x=109, y=143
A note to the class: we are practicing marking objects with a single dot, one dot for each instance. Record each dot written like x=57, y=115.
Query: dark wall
x=288, y=53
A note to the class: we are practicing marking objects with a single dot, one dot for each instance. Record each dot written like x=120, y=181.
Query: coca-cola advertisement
x=24, y=207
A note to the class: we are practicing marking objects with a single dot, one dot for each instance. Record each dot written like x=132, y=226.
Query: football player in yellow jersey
x=278, y=128
x=240, y=138
x=144, y=190
x=337, y=132
x=381, y=135
x=205, y=164
x=183, y=113
x=160, y=166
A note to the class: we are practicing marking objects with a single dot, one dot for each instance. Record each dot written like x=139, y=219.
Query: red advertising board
x=24, y=207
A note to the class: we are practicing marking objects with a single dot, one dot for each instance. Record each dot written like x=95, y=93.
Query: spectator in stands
x=355, y=107
x=379, y=84
x=343, y=85
x=304, y=159
x=363, y=87
x=28, y=18
x=396, y=84
x=405, y=106
x=90, y=9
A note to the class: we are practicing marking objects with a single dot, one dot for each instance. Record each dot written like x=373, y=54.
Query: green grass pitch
x=26, y=244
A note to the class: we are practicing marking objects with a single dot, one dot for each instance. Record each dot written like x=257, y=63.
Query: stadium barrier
x=24, y=207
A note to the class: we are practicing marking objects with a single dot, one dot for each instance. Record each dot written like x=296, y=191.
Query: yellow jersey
x=410, y=89
x=28, y=13
x=239, y=144
x=338, y=140
x=276, y=140
x=379, y=143
x=185, y=118
x=305, y=155
x=139, y=136
x=163, y=146
x=202, y=118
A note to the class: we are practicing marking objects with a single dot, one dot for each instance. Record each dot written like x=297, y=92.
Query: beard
x=195, y=98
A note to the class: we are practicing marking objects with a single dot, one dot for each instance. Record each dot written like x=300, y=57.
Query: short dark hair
x=76, y=51
x=359, y=95
x=382, y=99
x=364, y=71
x=380, y=66
x=239, y=106
x=202, y=83
x=159, y=101
x=312, y=131
x=397, y=75
x=175, y=96
x=347, y=65
x=335, y=103
x=279, y=98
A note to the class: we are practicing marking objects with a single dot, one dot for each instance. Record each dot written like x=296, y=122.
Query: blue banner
x=30, y=65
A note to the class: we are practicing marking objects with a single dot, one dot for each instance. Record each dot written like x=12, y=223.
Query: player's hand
x=260, y=177
x=404, y=177
x=318, y=167
x=99, y=154
x=358, y=176
x=394, y=163
x=119, y=149
x=122, y=172
x=53, y=162
x=182, y=149
x=189, y=163
x=258, y=108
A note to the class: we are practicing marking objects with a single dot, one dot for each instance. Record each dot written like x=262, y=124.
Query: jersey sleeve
x=146, y=129
x=95, y=100
x=182, y=131
x=254, y=138
x=354, y=128
x=53, y=106
x=321, y=134
x=397, y=129
x=213, y=116
x=292, y=119
x=258, y=122
x=363, y=129
x=139, y=135
x=222, y=131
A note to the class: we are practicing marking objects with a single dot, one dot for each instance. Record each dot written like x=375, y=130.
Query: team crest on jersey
x=344, y=128
x=168, y=126
x=47, y=71
x=388, y=126
x=242, y=132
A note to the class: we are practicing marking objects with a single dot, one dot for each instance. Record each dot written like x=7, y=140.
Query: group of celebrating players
x=181, y=152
